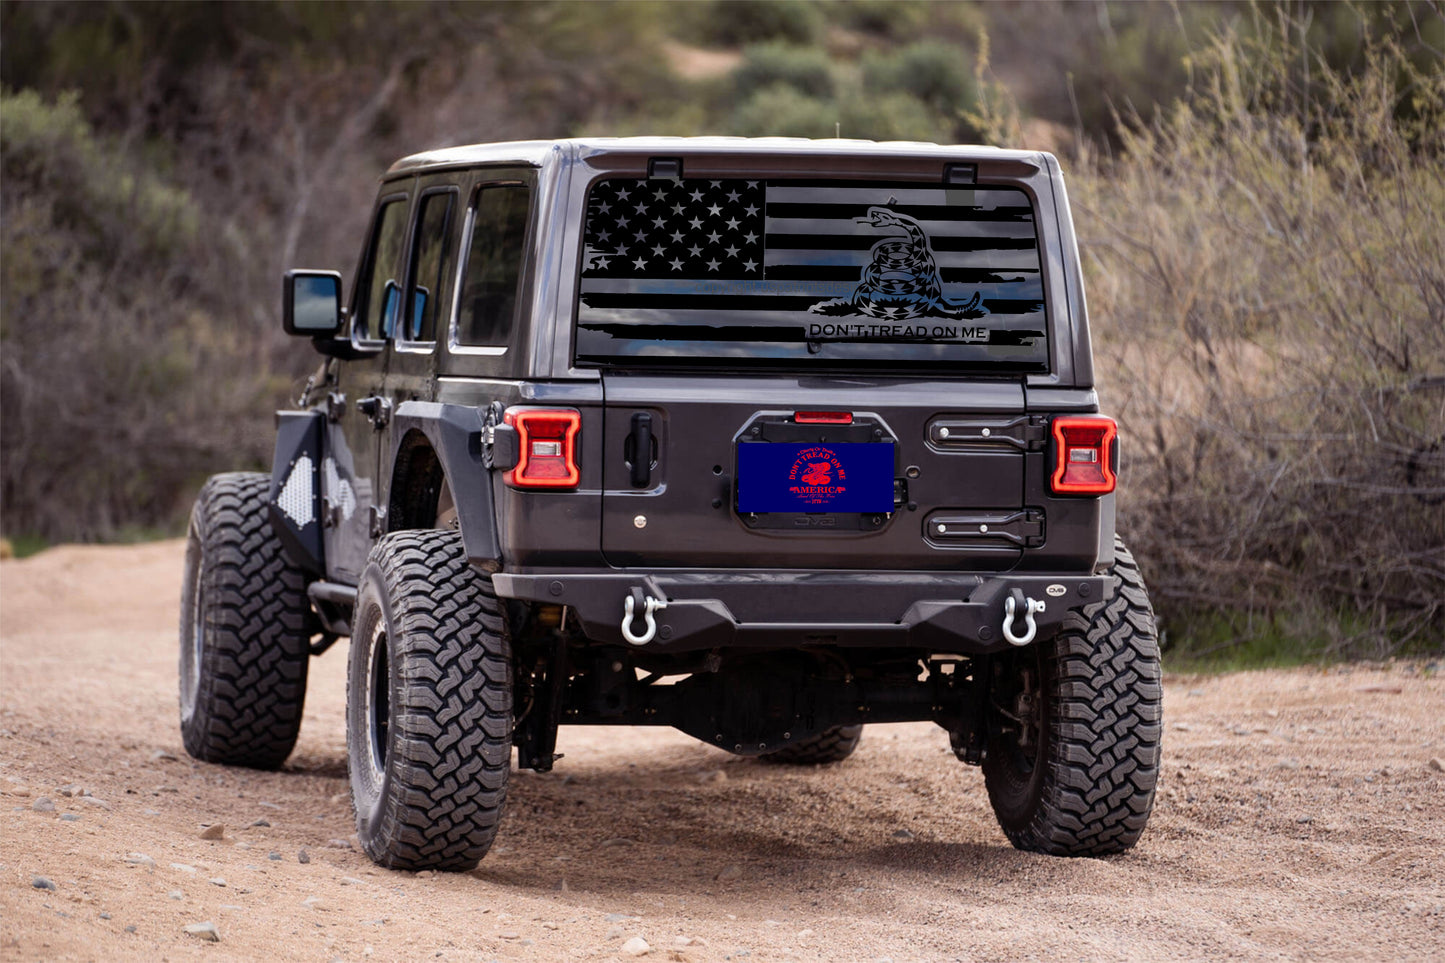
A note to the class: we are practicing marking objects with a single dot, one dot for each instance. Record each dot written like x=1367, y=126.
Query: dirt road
x=1300, y=817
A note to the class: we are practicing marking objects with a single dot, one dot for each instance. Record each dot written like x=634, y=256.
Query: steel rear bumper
x=759, y=609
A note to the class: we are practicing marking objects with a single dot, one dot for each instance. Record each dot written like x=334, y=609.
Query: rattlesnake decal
x=901, y=278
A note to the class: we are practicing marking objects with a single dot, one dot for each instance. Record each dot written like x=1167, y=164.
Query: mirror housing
x=311, y=303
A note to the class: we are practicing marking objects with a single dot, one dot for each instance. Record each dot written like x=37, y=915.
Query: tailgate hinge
x=1024, y=528
x=1022, y=432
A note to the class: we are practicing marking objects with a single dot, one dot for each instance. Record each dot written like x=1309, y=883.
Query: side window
x=429, y=265
x=380, y=284
x=494, y=265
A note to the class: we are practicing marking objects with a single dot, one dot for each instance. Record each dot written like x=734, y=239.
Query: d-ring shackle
x=1010, y=606
x=649, y=605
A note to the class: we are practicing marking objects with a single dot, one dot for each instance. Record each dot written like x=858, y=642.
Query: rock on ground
x=204, y=931
x=636, y=946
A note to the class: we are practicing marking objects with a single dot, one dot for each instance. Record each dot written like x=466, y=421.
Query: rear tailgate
x=817, y=374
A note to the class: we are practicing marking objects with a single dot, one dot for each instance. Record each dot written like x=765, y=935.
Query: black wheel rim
x=1017, y=736
x=378, y=712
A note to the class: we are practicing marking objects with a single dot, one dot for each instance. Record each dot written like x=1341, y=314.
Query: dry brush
x=1267, y=275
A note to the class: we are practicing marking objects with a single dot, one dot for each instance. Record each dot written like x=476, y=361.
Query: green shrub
x=903, y=20
x=891, y=117
x=804, y=69
x=43, y=141
x=782, y=111
x=733, y=23
x=48, y=150
x=938, y=75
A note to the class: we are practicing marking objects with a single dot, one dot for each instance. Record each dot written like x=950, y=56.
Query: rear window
x=809, y=273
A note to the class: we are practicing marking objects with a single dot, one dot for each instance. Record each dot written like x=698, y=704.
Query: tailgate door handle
x=638, y=450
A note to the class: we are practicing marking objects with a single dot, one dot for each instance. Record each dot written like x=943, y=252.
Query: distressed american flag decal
x=707, y=269
x=675, y=228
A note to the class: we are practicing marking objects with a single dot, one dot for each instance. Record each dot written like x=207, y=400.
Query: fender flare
x=294, y=500
x=455, y=435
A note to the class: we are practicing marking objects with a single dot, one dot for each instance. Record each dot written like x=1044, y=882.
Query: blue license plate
x=850, y=477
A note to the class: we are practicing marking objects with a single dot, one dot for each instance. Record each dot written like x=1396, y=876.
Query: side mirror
x=311, y=303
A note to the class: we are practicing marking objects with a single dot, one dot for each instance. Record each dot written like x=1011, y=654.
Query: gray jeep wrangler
x=762, y=439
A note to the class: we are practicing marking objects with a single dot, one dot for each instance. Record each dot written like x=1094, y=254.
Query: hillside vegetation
x=1259, y=192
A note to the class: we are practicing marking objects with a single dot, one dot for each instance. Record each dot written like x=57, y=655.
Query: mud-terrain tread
x=257, y=646
x=830, y=745
x=451, y=715
x=1103, y=753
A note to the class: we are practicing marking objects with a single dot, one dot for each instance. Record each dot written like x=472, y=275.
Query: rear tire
x=830, y=745
x=1075, y=725
x=429, y=705
x=245, y=633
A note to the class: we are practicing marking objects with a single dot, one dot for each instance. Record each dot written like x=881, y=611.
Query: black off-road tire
x=246, y=628
x=830, y=745
x=1083, y=783
x=428, y=705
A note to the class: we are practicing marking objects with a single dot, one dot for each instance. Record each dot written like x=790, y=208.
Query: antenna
x=838, y=129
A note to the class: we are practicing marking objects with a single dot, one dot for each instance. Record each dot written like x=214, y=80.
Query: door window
x=380, y=283
x=494, y=265
x=429, y=265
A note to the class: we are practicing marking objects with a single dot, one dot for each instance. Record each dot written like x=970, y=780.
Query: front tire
x=1074, y=728
x=245, y=633
x=429, y=705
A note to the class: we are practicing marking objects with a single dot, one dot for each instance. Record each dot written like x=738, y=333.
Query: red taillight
x=1084, y=455
x=547, y=443
x=823, y=417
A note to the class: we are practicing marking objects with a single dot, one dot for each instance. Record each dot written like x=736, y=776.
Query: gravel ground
x=1300, y=816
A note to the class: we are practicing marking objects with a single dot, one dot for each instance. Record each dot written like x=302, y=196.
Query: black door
x=349, y=470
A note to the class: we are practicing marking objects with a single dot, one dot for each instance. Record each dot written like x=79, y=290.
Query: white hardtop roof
x=533, y=153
